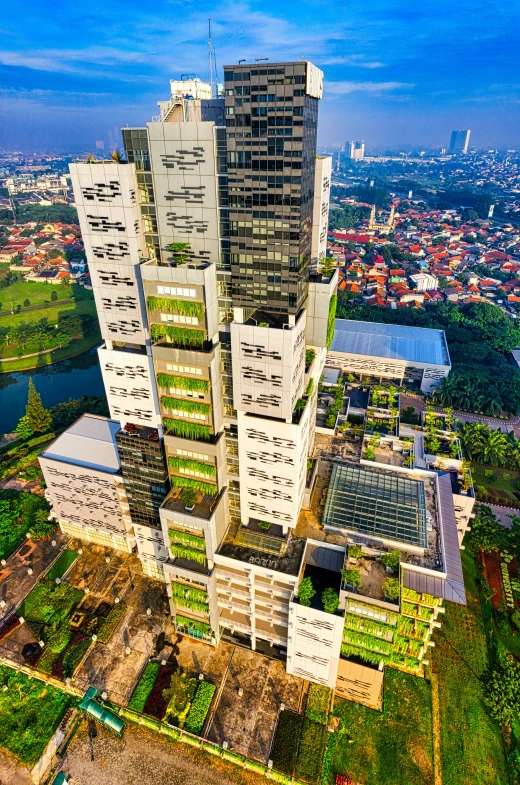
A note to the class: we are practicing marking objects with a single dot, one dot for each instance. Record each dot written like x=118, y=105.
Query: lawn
x=64, y=561
x=30, y=712
x=470, y=741
x=37, y=293
x=75, y=347
x=50, y=313
x=502, y=480
x=392, y=747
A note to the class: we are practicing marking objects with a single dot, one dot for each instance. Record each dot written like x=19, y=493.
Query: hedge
x=111, y=622
x=187, y=430
x=183, y=307
x=182, y=382
x=311, y=750
x=144, y=686
x=285, y=744
x=200, y=707
x=179, y=336
x=61, y=565
x=185, y=405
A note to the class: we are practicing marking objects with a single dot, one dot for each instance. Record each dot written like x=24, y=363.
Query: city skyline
x=392, y=77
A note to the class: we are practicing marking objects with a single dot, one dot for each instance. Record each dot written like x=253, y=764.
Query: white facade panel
x=314, y=644
x=320, y=210
x=130, y=387
x=268, y=368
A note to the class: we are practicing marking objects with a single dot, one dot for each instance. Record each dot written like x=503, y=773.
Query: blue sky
x=397, y=73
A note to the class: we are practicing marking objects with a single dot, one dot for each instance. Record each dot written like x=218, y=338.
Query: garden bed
x=30, y=713
x=144, y=686
x=284, y=750
x=62, y=565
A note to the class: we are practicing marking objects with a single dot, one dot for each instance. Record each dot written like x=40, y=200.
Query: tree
x=26, y=303
x=351, y=577
x=23, y=429
x=502, y=690
x=487, y=534
x=392, y=560
x=38, y=418
x=41, y=526
x=306, y=591
x=54, y=295
x=329, y=600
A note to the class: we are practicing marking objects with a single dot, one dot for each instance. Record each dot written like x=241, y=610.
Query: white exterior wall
x=314, y=644
x=268, y=368
x=273, y=465
x=185, y=186
x=130, y=387
x=320, y=210
x=84, y=497
x=105, y=196
x=385, y=368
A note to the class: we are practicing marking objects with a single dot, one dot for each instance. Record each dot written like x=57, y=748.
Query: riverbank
x=50, y=356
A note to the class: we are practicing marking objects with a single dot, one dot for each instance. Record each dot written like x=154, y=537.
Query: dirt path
x=148, y=759
x=12, y=772
x=437, y=766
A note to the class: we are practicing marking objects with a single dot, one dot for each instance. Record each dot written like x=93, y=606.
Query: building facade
x=203, y=249
x=355, y=151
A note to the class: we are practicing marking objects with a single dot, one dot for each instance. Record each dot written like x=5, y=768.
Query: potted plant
x=188, y=497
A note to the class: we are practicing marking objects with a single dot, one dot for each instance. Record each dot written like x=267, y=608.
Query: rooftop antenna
x=212, y=63
x=260, y=59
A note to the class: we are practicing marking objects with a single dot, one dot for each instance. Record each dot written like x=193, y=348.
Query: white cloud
x=375, y=88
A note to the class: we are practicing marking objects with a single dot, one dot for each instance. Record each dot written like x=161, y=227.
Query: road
x=495, y=423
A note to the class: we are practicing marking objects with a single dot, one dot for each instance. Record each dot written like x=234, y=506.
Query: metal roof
x=89, y=442
x=452, y=587
x=326, y=558
x=391, y=341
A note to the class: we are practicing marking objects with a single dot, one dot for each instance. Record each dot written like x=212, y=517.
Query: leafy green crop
x=200, y=707
x=144, y=686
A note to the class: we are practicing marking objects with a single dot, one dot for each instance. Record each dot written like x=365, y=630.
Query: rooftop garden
x=391, y=451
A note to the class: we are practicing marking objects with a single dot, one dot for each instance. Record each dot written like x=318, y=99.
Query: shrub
x=392, y=560
x=310, y=354
x=318, y=703
x=111, y=622
x=74, y=656
x=144, y=686
x=286, y=740
x=200, y=707
x=329, y=600
x=355, y=551
x=391, y=588
x=264, y=525
x=515, y=618
x=306, y=591
x=188, y=497
x=352, y=577
x=59, y=637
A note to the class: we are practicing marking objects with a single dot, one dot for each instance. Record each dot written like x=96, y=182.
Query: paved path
x=51, y=303
x=504, y=514
x=495, y=423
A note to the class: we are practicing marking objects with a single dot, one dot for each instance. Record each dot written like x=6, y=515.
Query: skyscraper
x=459, y=142
x=355, y=150
x=204, y=249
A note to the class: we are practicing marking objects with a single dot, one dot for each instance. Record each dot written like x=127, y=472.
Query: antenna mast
x=212, y=63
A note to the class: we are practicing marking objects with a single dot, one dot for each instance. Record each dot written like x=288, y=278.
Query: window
x=197, y=455
x=176, y=290
x=184, y=369
x=186, y=393
x=178, y=318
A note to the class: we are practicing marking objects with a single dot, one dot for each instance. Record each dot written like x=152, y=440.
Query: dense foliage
x=200, y=707
x=37, y=336
x=187, y=430
x=65, y=413
x=310, y=752
x=111, y=622
x=144, y=686
x=484, y=445
x=19, y=514
x=285, y=744
x=37, y=418
x=179, y=695
x=30, y=712
x=480, y=337
x=52, y=213
x=306, y=591
x=318, y=703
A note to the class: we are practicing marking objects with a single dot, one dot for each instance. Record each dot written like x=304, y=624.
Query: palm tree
x=495, y=448
x=117, y=156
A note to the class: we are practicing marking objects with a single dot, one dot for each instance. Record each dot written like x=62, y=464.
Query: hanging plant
x=182, y=382
x=185, y=538
x=182, y=307
x=179, y=336
x=198, y=485
x=187, y=430
x=175, y=462
x=183, y=405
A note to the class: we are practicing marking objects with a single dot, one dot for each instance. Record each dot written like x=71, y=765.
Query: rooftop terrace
x=275, y=553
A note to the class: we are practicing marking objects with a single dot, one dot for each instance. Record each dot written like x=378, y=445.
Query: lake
x=72, y=378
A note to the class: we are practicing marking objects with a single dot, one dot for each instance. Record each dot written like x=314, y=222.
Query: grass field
x=50, y=313
x=35, y=292
x=506, y=479
x=76, y=347
x=470, y=742
x=30, y=712
x=392, y=747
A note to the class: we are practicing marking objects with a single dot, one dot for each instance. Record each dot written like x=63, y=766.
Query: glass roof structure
x=260, y=542
x=376, y=504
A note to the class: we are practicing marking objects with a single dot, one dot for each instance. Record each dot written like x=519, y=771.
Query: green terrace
x=191, y=466
x=188, y=546
x=188, y=430
x=193, y=628
x=181, y=407
x=181, y=307
x=193, y=599
x=176, y=382
x=181, y=337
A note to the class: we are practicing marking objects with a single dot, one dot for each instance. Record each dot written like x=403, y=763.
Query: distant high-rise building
x=355, y=150
x=459, y=142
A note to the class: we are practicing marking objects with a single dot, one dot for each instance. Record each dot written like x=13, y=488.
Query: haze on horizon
x=394, y=75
